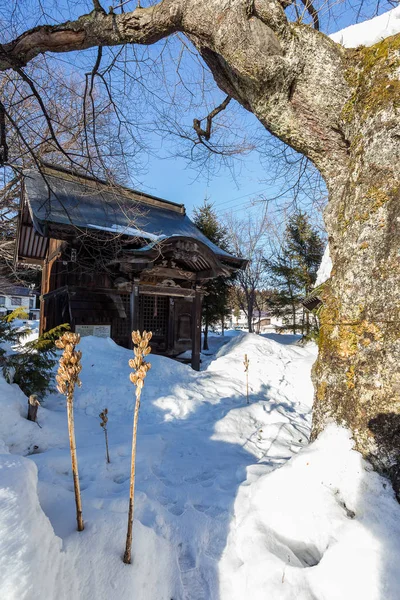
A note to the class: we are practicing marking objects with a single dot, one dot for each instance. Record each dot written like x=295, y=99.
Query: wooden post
x=196, y=331
x=171, y=325
x=33, y=405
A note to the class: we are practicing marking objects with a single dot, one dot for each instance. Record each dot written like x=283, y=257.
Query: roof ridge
x=69, y=175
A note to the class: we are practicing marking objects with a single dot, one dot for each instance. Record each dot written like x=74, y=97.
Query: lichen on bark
x=357, y=372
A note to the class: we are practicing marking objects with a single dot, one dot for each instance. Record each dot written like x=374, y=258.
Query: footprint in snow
x=162, y=477
x=206, y=476
x=211, y=511
x=175, y=508
x=120, y=478
x=186, y=558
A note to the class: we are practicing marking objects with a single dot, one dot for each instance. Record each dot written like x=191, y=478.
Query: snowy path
x=196, y=440
x=215, y=519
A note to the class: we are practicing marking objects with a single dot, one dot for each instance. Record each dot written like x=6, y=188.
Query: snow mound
x=370, y=32
x=325, y=268
x=17, y=434
x=221, y=513
x=322, y=526
x=31, y=563
x=106, y=383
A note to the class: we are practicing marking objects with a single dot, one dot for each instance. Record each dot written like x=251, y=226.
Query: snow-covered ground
x=230, y=500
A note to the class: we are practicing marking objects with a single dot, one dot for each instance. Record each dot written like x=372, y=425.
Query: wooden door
x=182, y=325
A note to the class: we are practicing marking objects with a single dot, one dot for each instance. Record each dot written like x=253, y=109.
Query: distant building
x=263, y=321
x=13, y=297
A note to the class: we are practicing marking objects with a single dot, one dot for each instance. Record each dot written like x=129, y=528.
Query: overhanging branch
x=141, y=26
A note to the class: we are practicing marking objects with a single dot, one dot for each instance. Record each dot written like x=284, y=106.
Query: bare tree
x=247, y=238
x=337, y=107
x=63, y=136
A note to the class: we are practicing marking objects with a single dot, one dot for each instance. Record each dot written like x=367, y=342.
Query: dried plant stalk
x=104, y=419
x=246, y=370
x=67, y=377
x=140, y=366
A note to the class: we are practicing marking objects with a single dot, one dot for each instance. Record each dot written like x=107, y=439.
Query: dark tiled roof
x=66, y=199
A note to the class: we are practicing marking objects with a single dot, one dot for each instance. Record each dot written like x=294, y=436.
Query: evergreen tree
x=215, y=303
x=29, y=365
x=293, y=270
x=306, y=248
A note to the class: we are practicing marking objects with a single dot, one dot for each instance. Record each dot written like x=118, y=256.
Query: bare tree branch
x=141, y=26
x=312, y=11
x=206, y=133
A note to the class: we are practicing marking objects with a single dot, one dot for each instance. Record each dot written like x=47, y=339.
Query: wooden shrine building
x=115, y=260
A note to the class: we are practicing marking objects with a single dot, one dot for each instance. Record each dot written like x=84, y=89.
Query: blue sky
x=171, y=178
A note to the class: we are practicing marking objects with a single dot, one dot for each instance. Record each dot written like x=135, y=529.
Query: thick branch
x=290, y=76
x=141, y=26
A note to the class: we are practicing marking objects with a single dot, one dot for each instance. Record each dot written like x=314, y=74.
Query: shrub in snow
x=140, y=366
x=31, y=364
x=103, y=423
x=67, y=377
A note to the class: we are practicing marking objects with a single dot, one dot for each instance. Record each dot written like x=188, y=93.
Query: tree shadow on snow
x=189, y=470
x=196, y=479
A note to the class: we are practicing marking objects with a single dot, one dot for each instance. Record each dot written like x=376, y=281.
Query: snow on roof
x=63, y=198
x=370, y=32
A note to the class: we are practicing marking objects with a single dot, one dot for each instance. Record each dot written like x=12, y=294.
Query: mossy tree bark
x=341, y=109
x=357, y=375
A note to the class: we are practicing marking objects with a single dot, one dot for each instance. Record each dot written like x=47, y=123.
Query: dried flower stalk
x=104, y=419
x=67, y=377
x=140, y=366
x=246, y=370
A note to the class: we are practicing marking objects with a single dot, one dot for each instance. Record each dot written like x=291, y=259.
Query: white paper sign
x=102, y=331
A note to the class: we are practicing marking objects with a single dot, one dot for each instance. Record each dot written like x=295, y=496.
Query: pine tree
x=294, y=270
x=29, y=365
x=215, y=303
x=306, y=248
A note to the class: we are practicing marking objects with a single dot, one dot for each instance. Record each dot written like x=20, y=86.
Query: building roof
x=16, y=290
x=59, y=197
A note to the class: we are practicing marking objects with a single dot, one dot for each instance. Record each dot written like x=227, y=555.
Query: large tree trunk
x=338, y=107
x=357, y=375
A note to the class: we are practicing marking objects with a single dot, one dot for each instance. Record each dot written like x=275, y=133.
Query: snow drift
x=230, y=500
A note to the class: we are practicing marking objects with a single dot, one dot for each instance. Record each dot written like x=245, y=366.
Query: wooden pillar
x=42, y=321
x=171, y=325
x=196, y=331
x=134, y=309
